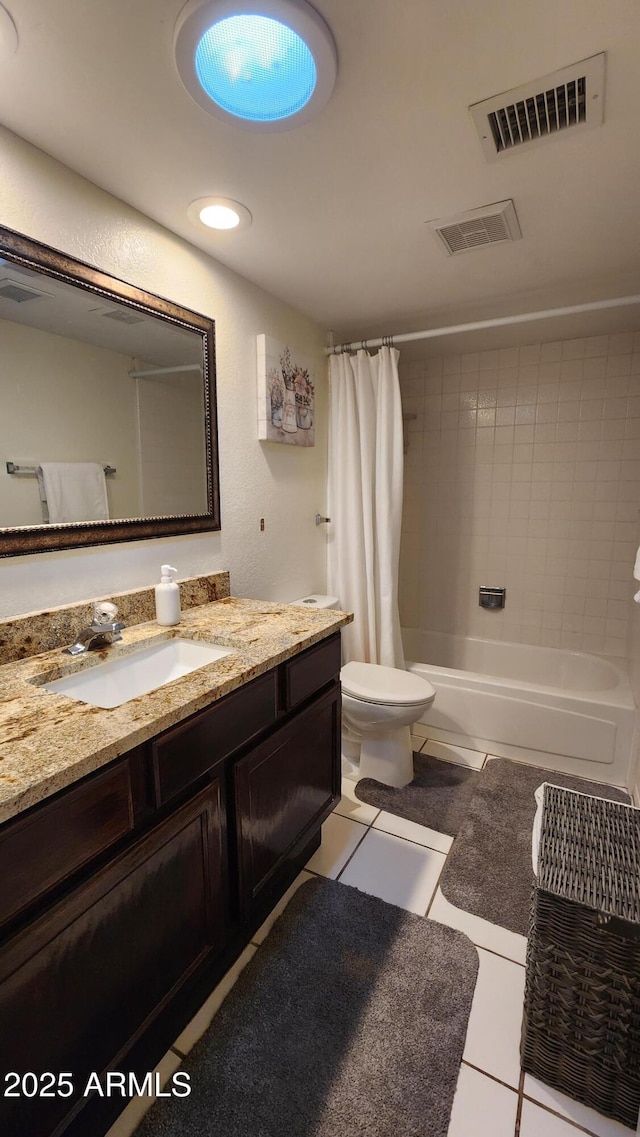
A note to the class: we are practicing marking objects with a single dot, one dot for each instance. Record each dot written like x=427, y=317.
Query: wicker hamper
x=581, y=1027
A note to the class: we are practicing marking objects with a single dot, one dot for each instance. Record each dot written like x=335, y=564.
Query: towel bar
x=33, y=470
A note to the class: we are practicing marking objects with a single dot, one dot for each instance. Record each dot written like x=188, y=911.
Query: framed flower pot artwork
x=286, y=394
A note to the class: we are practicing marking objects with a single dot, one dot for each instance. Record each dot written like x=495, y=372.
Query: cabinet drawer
x=39, y=850
x=184, y=754
x=310, y=671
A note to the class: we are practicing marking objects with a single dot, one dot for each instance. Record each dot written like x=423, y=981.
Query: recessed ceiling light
x=219, y=217
x=219, y=213
x=266, y=70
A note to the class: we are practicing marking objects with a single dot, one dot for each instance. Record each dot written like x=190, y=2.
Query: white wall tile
x=531, y=461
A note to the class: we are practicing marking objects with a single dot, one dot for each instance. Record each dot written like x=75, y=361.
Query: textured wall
x=523, y=471
x=283, y=484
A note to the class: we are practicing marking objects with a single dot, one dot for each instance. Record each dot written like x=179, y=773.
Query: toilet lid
x=374, y=683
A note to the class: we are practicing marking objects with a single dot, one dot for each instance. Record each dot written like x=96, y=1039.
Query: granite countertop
x=48, y=741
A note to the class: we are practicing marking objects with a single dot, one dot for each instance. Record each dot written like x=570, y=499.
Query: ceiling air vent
x=17, y=292
x=492, y=225
x=120, y=315
x=571, y=97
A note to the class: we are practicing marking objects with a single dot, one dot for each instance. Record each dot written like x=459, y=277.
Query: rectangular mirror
x=107, y=407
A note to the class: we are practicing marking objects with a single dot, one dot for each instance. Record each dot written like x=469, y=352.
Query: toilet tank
x=317, y=600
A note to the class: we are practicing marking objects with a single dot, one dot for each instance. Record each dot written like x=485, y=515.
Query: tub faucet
x=104, y=629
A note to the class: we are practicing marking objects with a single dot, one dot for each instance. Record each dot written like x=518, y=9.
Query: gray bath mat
x=350, y=1020
x=437, y=796
x=488, y=871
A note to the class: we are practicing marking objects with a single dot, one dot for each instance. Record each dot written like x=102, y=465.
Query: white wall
x=523, y=471
x=172, y=444
x=57, y=395
x=283, y=484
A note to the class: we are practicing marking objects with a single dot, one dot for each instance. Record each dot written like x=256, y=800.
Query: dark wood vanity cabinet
x=78, y=984
x=124, y=898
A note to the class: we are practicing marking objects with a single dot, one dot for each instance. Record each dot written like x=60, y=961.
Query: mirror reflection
x=102, y=407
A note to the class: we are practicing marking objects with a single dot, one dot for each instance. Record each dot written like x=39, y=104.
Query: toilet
x=379, y=704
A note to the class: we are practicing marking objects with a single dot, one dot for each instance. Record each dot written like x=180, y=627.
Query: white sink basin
x=119, y=680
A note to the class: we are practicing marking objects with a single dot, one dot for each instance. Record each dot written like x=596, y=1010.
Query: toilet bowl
x=379, y=704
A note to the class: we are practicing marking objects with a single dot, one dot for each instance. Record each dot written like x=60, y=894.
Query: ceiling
x=75, y=313
x=339, y=205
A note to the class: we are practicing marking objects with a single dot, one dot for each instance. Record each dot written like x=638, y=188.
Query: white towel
x=43, y=496
x=636, y=567
x=74, y=491
x=537, y=827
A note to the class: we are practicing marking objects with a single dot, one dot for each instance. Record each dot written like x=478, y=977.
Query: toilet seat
x=375, y=683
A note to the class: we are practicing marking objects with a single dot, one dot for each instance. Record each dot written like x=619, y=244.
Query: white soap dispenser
x=167, y=597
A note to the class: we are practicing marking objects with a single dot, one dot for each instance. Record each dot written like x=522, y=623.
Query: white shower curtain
x=365, y=501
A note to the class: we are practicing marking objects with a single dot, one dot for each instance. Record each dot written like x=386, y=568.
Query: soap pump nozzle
x=167, y=574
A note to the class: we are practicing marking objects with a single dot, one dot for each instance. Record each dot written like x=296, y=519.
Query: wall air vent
x=571, y=97
x=492, y=225
x=17, y=292
x=120, y=315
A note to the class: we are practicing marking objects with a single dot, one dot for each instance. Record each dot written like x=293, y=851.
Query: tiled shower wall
x=523, y=471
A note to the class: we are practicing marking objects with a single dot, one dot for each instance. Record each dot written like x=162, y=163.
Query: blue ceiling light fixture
x=268, y=65
x=255, y=68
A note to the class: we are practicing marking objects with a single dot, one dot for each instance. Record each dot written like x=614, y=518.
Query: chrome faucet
x=104, y=629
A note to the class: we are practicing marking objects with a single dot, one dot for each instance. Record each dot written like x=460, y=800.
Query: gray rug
x=437, y=797
x=349, y=1021
x=490, y=812
x=488, y=871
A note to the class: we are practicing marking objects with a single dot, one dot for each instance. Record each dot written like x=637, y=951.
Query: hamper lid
x=590, y=852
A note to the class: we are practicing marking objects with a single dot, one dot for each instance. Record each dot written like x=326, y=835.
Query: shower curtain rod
x=164, y=370
x=478, y=325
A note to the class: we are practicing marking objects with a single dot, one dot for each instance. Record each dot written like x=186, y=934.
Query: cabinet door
x=80, y=984
x=284, y=789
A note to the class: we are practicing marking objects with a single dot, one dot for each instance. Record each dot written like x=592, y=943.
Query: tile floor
x=401, y=862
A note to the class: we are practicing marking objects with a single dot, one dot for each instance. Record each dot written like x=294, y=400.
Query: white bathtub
x=564, y=710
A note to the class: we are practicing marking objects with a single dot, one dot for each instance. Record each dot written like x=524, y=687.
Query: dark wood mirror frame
x=16, y=541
